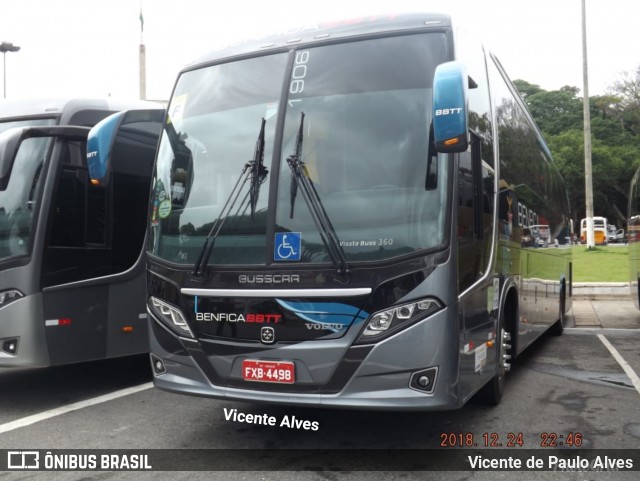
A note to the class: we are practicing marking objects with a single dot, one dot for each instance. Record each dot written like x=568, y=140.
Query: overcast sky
x=90, y=47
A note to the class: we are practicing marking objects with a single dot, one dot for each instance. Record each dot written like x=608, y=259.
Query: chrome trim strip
x=350, y=292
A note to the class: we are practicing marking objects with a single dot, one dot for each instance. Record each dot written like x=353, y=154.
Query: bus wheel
x=491, y=393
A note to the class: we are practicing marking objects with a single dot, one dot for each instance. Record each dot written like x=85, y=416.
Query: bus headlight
x=170, y=315
x=383, y=323
x=9, y=296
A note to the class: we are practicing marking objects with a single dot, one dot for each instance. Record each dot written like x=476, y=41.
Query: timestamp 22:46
x=512, y=440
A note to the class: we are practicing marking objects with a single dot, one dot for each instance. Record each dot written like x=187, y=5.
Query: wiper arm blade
x=205, y=253
x=297, y=155
x=293, y=190
x=257, y=172
x=300, y=176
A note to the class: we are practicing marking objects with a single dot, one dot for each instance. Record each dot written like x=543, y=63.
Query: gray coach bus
x=338, y=218
x=72, y=273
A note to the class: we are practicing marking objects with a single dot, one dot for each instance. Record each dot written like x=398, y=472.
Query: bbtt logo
x=267, y=335
x=23, y=460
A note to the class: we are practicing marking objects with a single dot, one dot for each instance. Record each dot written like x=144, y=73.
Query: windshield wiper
x=258, y=171
x=300, y=177
x=253, y=170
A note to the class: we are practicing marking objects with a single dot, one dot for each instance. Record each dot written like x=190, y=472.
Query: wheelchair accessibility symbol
x=287, y=246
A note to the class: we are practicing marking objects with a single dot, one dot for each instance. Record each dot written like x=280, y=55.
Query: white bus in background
x=599, y=231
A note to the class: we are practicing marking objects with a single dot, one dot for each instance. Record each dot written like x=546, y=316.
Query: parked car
x=611, y=233
x=615, y=235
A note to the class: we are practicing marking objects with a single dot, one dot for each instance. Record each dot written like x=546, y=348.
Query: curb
x=584, y=315
x=601, y=290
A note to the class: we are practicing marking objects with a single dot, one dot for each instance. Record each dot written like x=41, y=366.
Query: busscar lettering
x=268, y=278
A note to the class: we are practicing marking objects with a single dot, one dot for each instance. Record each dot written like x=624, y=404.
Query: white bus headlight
x=9, y=296
x=170, y=315
x=380, y=321
x=390, y=320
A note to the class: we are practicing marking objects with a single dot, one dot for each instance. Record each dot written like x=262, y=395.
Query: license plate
x=268, y=371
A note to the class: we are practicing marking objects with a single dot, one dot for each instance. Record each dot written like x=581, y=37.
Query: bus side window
x=431, y=180
x=79, y=207
x=78, y=226
x=479, y=203
x=68, y=214
x=475, y=208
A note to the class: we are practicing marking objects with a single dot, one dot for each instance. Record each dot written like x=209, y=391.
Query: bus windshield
x=18, y=200
x=364, y=149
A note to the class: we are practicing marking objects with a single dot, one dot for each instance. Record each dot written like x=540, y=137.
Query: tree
x=615, y=128
x=628, y=90
x=526, y=89
x=555, y=111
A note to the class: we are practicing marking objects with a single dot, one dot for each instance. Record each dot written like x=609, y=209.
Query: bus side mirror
x=450, y=108
x=11, y=140
x=99, y=144
x=127, y=127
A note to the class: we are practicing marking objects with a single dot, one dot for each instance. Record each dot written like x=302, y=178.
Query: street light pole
x=4, y=48
x=588, y=176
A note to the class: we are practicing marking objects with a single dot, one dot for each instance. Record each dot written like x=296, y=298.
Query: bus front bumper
x=384, y=380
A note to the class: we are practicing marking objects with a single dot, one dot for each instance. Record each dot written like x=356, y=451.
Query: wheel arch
x=510, y=308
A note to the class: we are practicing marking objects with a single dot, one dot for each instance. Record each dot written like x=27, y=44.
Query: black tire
x=491, y=393
x=558, y=327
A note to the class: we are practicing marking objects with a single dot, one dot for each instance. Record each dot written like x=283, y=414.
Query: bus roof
x=326, y=31
x=62, y=108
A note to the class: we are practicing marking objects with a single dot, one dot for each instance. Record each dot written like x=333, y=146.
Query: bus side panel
x=539, y=283
x=76, y=323
x=127, y=309
x=477, y=351
x=534, y=213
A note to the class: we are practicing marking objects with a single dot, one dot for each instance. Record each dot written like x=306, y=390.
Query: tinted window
x=19, y=201
x=365, y=148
